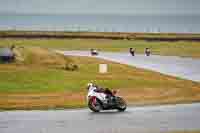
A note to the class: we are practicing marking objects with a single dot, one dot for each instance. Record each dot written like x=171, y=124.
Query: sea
x=101, y=23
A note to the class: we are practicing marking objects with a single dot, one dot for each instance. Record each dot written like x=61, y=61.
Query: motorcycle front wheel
x=94, y=104
x=121, y=104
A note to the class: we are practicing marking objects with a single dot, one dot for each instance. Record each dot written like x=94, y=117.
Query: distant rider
x=132, y=51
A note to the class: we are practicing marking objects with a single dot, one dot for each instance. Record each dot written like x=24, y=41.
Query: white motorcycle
x=98, y=101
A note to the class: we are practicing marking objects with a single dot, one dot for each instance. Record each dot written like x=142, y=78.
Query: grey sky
x=102, y=6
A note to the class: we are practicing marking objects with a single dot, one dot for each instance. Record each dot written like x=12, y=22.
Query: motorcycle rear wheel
x=121, y=104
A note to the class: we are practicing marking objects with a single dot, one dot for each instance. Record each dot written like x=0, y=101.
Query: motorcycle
x=132, y=51
x=147, y=52
x=94, y=52
x=101, y=101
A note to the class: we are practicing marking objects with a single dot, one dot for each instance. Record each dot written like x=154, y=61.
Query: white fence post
x=103, y=68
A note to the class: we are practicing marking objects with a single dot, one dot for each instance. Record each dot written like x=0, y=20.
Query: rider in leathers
x=97, y=89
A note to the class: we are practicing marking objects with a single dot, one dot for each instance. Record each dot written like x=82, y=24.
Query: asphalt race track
x=186, y=68
x=151, y=119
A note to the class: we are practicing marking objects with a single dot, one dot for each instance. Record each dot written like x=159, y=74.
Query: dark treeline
x=101, y=35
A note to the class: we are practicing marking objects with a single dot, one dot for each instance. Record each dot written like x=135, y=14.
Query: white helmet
x=90, y=84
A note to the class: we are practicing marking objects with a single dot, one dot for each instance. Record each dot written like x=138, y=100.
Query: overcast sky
x=101, y=6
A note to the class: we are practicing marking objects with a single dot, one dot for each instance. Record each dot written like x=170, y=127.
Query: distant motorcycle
x=98, y=101
x=147, y=52
x=132, y=51
x=94, y=52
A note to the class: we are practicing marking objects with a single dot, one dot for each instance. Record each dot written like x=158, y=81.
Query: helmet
x=89, y=84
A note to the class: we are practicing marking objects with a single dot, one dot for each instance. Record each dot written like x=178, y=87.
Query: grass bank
x=25, y=86
x=179, y=48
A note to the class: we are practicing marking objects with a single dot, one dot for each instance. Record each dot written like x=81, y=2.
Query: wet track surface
x=136, y=119
x=186, y=68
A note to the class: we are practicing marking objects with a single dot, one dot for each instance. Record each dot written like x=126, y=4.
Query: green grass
x=180, y=48
x=42, y=79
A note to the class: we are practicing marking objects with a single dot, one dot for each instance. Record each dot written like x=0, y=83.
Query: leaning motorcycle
x=100, y=101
